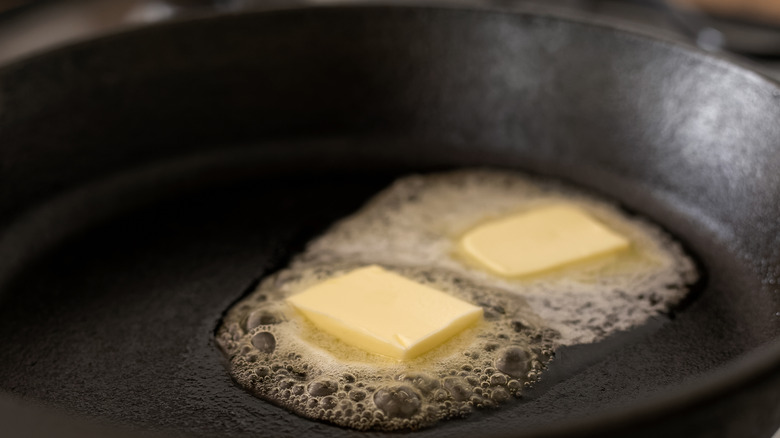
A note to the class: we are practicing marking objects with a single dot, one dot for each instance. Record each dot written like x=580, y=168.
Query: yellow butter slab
x=385, y=313
x=539, y=240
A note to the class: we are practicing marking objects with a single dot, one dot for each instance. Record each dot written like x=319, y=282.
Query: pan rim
x=745, y=371
x=637, y=30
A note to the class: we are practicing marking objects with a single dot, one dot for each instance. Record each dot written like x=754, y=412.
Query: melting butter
x=413, y=230
x=539, y=240
x=385, y=313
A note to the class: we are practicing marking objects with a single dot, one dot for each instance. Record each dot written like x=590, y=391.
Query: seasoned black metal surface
x=149, y=178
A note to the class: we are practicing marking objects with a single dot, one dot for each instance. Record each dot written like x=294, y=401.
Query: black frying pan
x=150, y=177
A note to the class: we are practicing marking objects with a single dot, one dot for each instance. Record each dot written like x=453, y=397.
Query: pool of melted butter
x=412, y=228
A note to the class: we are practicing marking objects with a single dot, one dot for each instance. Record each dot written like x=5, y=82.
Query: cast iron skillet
x=148, y=178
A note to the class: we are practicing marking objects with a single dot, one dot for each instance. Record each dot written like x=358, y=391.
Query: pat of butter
x=385, y=313
x=539, y=240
